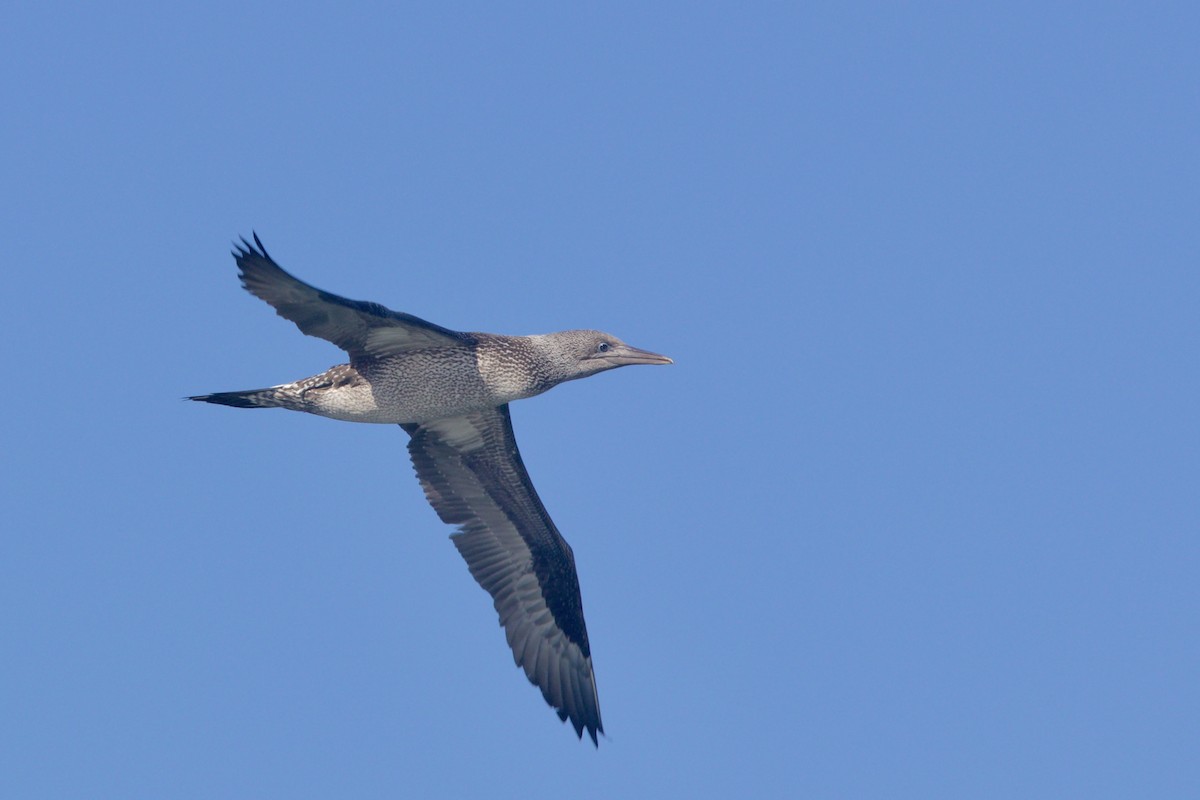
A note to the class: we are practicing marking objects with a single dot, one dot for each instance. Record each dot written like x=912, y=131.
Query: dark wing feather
x=361, y=329
x=473, y=476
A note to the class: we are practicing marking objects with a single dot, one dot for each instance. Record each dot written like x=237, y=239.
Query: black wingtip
x=248, y=250
x=592, y=730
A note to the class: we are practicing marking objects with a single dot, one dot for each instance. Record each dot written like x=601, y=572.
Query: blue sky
x=914, y=514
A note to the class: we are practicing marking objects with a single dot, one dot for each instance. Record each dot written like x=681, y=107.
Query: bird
x=450, y=391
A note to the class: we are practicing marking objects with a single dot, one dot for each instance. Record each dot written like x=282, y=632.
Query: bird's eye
x=602, y=347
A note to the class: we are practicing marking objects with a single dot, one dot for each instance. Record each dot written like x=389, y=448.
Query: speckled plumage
x=450, y=391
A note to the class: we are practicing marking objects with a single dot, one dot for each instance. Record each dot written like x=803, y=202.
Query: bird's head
x=583, y=353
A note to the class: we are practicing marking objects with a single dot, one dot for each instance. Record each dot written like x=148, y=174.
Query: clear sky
x=914, y=514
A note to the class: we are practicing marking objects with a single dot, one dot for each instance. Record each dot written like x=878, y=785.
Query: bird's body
x=450, y=391
x=483, y=371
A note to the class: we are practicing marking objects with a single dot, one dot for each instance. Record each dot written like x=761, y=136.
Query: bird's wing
x=473, y=476
x=361, y=329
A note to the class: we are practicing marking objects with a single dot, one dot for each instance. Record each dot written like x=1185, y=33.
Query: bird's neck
x=515, y=367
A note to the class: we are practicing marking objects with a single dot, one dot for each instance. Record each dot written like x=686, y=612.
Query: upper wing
x=359, y=328
x=473, y=477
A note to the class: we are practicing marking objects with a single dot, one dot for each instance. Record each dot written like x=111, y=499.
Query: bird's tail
x=255, y=398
